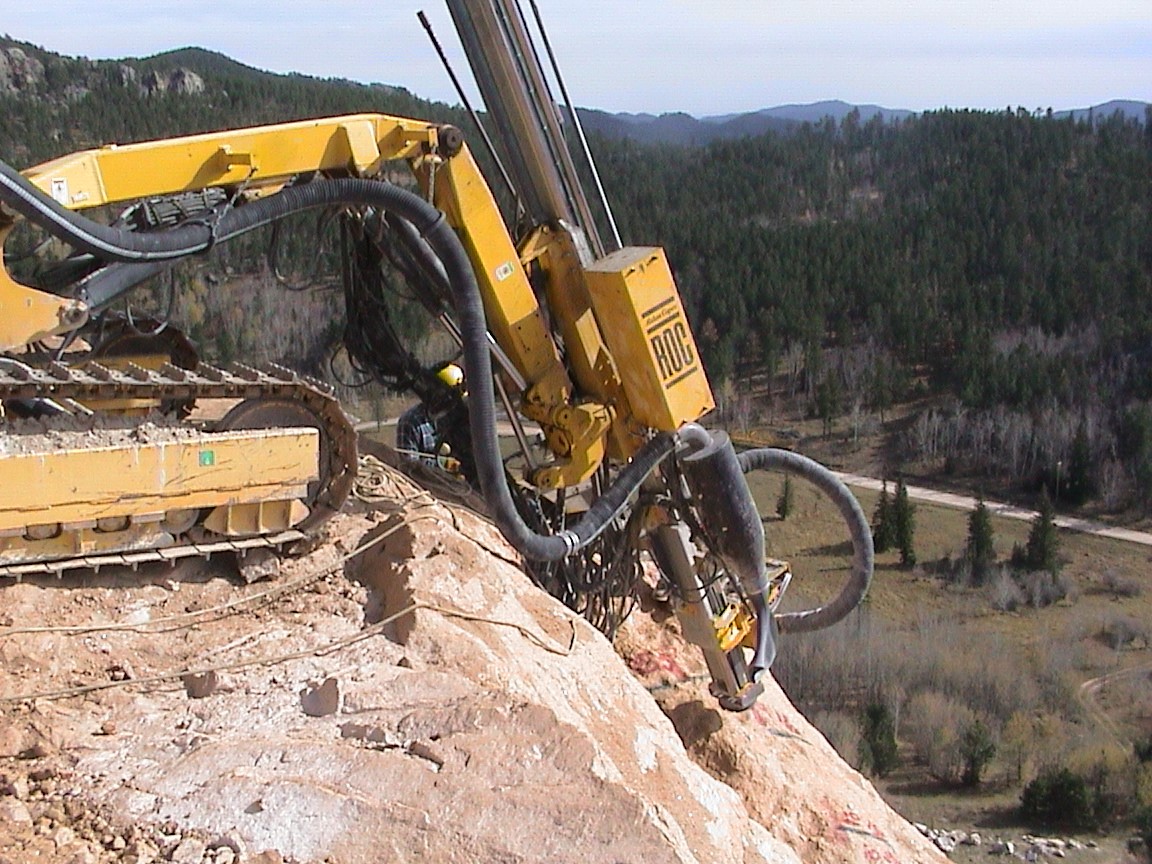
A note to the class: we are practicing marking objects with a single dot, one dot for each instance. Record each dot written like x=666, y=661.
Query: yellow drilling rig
x=585, y=338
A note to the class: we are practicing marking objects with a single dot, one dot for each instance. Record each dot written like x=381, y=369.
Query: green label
x=207, y=458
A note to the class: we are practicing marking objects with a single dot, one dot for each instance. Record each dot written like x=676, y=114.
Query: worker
x=435, y=430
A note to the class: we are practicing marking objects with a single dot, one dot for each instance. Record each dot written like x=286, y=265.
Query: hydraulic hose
x=103, y=241
x=728, y=517
x=145, y=251
x=773, y=459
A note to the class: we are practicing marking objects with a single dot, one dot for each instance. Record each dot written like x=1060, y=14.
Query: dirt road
x=1008, y=511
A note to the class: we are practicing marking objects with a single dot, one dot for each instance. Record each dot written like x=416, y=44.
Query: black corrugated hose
x=773, y=459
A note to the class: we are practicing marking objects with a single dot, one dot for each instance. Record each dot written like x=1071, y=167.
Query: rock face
x=419, y=700
x=18, y=71
x=180, y=80
x=789, y=777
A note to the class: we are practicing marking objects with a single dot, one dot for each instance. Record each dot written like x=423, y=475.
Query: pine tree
x=878, y=750
x=1080, y=484
x=1041, y=553
x=980, y=552
x=977, y=747
x=784, y=502
x=903, y=525
x=882, y=538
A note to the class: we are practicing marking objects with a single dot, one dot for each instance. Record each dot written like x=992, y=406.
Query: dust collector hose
x=145, y=250
x=773, y=459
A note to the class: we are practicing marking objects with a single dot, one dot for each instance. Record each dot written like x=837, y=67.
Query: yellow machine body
x=659, y=363
x=628, y=364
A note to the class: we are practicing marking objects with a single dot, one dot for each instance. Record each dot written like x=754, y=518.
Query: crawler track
x=91, y=383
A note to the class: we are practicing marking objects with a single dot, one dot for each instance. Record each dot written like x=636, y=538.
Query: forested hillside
x=1002, y=260
x=998, y=262
x=54, y=104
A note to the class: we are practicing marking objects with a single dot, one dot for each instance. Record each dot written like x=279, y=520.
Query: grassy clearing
x=1021, y=672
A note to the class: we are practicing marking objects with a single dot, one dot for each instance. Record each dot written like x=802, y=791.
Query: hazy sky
x=703, y=57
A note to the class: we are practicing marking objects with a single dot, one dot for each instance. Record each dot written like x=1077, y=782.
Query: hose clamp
x=571, y=541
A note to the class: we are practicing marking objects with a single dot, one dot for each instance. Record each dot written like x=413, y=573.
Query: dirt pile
x=401, y=693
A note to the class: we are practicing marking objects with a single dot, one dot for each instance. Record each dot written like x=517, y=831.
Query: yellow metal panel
x=27, y=315
x=643, y=322
x=510, y=305
x=82, y=541
x=74, y=485
x=263, y=517
x=255, y=156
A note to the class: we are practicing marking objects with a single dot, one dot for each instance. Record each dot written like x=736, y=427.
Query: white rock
x=12, y=810
x=190, y=851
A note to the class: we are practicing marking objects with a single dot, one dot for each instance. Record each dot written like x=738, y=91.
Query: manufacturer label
x=670, y=342
x=672, y=349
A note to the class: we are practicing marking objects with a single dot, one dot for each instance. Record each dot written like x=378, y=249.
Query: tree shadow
x=843, y=548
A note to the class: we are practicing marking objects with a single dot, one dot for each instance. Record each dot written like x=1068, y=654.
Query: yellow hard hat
x=451, y=374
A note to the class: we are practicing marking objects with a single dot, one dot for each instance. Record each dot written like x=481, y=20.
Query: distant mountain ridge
x=686, y=130
x=1128, y=107
x=22, y=71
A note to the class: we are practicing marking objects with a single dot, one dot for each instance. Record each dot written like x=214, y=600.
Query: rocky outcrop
x=181, y=81
x=19, y=72
x=401, y=693
x=789, y=777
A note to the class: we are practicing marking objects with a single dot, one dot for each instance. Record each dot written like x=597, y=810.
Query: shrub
x=1119, y=587
x=1122, y=632
x=1043, y=588
x=1144, y=826
x=935, y=724
x=1144, y=750
x=842, y=731
x=1005, y=593
x=1058, y=797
